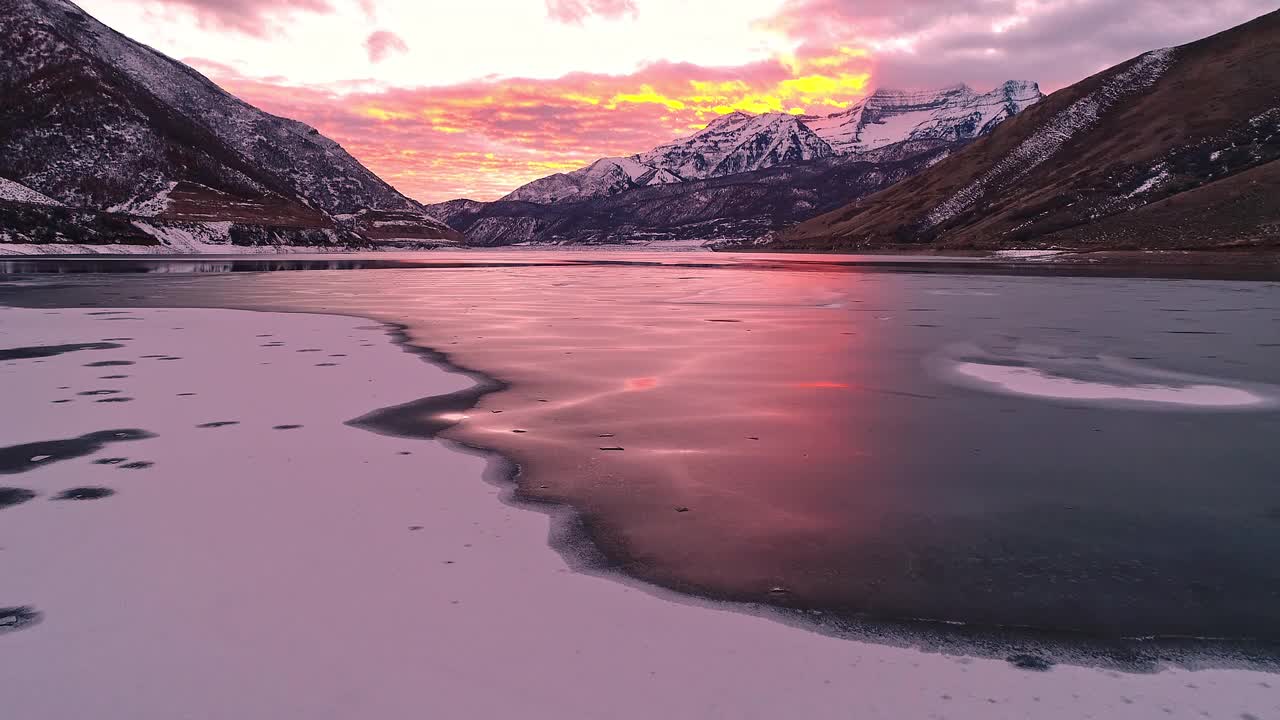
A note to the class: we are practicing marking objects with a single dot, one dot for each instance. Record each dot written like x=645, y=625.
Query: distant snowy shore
x=33, y=250
x=194, y=249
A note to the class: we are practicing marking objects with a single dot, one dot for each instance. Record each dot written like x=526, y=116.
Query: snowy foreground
x=326, y=572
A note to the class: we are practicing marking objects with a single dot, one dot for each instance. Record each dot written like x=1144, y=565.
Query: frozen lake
x=1077, y=470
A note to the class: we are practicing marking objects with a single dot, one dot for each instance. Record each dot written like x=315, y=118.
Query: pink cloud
x=576, y=11
x=1056, y=42
x=252, y=17
x=483, y=139
x=382, y=44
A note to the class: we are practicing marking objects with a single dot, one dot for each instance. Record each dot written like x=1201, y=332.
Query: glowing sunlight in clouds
x=471, y=99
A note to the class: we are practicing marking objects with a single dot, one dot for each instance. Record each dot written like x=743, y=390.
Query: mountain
x=738, y=142
x=733, y=143
x=741, y=142
x=607, y=176
x=743, y=175
x=135, y=147
x=889, y=117
x=1176, y=148
x=742, y=205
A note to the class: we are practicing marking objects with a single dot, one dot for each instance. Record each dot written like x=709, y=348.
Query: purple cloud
x=1056, y=42
x=382, y=44
x=252, y=17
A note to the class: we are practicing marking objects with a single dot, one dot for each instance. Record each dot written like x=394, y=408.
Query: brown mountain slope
x=1176, y=148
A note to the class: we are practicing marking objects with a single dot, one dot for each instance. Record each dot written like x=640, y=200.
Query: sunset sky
x=471, y=98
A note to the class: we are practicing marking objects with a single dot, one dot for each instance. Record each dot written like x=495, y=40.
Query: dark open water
x=969, y=445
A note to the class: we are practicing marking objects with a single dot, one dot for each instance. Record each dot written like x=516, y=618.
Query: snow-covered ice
x=1052, y=373
x=1038, y=383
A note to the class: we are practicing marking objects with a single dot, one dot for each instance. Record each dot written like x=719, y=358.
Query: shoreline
x=1224, y=264
x=577, y=538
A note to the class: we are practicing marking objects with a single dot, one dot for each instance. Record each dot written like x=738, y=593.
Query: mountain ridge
x=106, y=125
x=742, y=205
x=745, y=142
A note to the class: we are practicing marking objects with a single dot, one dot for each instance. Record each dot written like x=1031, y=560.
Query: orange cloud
x=483, y=139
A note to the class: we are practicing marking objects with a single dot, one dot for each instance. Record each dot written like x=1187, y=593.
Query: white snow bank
x=1028, y=254
x=260, y=573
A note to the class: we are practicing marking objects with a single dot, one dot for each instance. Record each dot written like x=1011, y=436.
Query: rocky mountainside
x=135, y=147
x=1176, y=148
x=741, y=142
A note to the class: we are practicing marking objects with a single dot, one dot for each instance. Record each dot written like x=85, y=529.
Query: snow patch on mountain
x=14, y=192
x=147, y=206
x=1057, y=132
x=1160, y=177
x=192, y=238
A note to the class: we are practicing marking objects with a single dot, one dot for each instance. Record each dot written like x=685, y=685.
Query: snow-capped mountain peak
x=956, y=113
x=743, y=142
x=736, y=143
x=732, y=143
